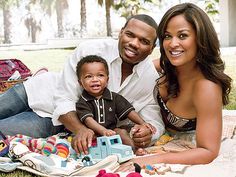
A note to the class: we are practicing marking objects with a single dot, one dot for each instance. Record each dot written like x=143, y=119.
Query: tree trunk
x=108, y=17
x=7, y=24
x=59, y=11
x=83, y=25
x=33, y=30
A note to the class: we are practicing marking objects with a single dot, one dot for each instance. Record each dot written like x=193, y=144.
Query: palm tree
x=83, y=24
x=32, y=23
x=129, y=8
x=5, y=6
x=108, y=5
x=60, y=6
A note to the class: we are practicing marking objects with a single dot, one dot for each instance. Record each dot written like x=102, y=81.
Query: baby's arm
x=133, y=116
x=97, y=128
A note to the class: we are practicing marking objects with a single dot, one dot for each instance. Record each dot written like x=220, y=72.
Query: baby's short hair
x=90, y=59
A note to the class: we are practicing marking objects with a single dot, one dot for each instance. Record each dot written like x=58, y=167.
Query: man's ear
x=80, y=83
x=122, y=29
x=153, y=47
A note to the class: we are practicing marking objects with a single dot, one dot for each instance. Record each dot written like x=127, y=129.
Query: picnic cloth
x=56, y=165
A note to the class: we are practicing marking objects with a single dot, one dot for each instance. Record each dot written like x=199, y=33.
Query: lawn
x=54, y=60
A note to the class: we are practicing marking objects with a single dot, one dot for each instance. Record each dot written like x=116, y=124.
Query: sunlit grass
x=230, y=63
x=18, y=173
x=35, y=59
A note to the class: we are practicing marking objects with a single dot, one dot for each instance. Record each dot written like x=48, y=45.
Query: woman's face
x=180, y=42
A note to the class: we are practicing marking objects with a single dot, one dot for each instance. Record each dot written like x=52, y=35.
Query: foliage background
x=26, y=21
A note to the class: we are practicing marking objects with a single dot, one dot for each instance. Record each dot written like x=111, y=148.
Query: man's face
x=136, y=41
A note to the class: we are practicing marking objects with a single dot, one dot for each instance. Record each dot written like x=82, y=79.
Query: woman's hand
x=126, y=167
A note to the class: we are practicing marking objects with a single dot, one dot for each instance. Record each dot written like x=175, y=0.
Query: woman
x=193, y=87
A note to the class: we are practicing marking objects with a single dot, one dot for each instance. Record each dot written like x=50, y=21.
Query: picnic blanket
x=42, y=159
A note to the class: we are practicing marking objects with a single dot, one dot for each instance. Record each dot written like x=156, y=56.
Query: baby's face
x=94, y=78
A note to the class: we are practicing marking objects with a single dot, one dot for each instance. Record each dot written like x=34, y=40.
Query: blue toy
x=110, y=145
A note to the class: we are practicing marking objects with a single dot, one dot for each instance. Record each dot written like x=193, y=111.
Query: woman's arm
x=208, y=106
x=207, y=99
x=156, y=63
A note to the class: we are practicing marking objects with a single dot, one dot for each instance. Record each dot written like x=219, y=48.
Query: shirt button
x=101, y=115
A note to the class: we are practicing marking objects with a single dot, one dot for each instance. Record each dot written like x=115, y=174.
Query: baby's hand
x=151, y=127
x=108, y=132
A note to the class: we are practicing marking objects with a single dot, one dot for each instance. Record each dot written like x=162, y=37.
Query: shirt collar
x=107, y=94
x=138, y=68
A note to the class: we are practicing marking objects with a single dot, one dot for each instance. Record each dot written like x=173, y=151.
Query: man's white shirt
x=58, y=93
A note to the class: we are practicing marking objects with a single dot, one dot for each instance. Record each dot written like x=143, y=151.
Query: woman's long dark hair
x=208, y=49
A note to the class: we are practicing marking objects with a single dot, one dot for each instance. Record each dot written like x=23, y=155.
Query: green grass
x=54, y=60
x=230, y=63
x=18, y=173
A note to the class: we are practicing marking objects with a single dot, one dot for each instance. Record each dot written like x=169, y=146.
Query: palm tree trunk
x=83, y=25
x=108, y=17
x=6, y=24
x=59, y=12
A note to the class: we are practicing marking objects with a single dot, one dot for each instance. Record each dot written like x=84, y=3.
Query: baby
x=99, y=108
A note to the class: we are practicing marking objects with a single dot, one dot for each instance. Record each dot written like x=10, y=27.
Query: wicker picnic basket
x=5, y=85
x=7, y=68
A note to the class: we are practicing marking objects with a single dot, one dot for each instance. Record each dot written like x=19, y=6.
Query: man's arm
x=83, y=136
x=66, y=94
x=68, y=91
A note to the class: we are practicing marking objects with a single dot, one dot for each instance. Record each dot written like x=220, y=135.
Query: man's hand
x=82, y=140
x=83, y=135
x=142, y=136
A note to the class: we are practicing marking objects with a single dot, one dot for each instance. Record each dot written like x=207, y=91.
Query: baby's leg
x=126, y=139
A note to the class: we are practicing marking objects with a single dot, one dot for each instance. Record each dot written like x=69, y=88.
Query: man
x=132, y=75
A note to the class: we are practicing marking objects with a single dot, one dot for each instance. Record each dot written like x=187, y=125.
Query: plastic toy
x=149, y=169
x=110, y=145
x=4, y=145
x=103, y=173
x=159, y=169
x=164, y=139
x=87, y=161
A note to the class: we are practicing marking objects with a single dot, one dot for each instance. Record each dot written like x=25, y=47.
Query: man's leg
x=16, y=117
x=13, y=101
x=30, y=124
